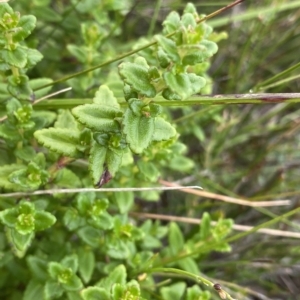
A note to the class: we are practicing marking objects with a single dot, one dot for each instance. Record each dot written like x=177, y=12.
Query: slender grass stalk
x=211, y=247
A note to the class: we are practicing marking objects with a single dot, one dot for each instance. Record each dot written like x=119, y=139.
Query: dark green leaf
x=138, y=130
x=163, y=130
x=66, y=120
x=117, y=276
x=18, y=87
x=169, y=47
x=73, y=284
x=79, y=52
x=5, y=171
x=104, y=96
x=43, y=220
x=148, y=169
x=90, y=236
x=124, y=201
x=72, y=220
x=174, y=291
x=176, y=239
x=9, y=216
x=25, y=153
x=34, y=290
x=55, y=269
x=95, y=293
x=16, y=57
x=205, y=228
x=96, y=162
x=33, y=57
x=136, y=75
x=52, y=290
x=26, y=25
x=172, y=22
x=86, y=259
x=98, y=117
x=19, y=242
x=71, y=262
x=38, y=267
x=189, y=264
x=62, y=141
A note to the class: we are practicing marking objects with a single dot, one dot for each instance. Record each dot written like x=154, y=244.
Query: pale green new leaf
x=163, y=130
x=104, y=96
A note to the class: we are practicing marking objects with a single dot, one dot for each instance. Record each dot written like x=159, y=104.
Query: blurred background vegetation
x=245, y=151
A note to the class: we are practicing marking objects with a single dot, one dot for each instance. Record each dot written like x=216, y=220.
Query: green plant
x=64, y=239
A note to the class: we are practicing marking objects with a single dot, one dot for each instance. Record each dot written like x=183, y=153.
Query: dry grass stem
x=228, y=199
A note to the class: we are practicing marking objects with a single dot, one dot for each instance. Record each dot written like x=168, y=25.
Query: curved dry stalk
x=102, y=190
x=237, y=227
x=228, y=199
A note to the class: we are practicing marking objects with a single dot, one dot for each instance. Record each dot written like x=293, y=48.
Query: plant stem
x=235, y=237
x=194, y=100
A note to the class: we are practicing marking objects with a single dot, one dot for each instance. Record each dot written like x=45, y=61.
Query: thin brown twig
x=228, y=199
x=195, y=221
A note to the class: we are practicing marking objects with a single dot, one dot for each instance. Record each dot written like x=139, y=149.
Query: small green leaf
x=124, y=201
x=71, y=262
x=138, y=130
x=34, y=290
x=176, y=239
x=181, y=164
x=66, y=120
x=148, y=169
x=99, y=117
x=72, y=220
x=189, y=264
x=96, y=162
x=95, y=293
x=38, y=267
x=16, y=57
x=163, y=58
x=174, y=291
x=9, y=216
x=78, y=51
x=104, y=159
x=87, y=260
x=5, y=171
x=52, y=290
x=104, y=96
x=90, y=236
x=163, y=130
x=205, y=228
x=169, y=47
x=172, y=22
x=33, y=57
x=136, y=75
x=26, y=25
x=73, y=284
x=18, y=87
x=117, y=276
x=55, y=269
x=62, y=141
x=43, y=220
x=19, y=242
x=26, y=153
